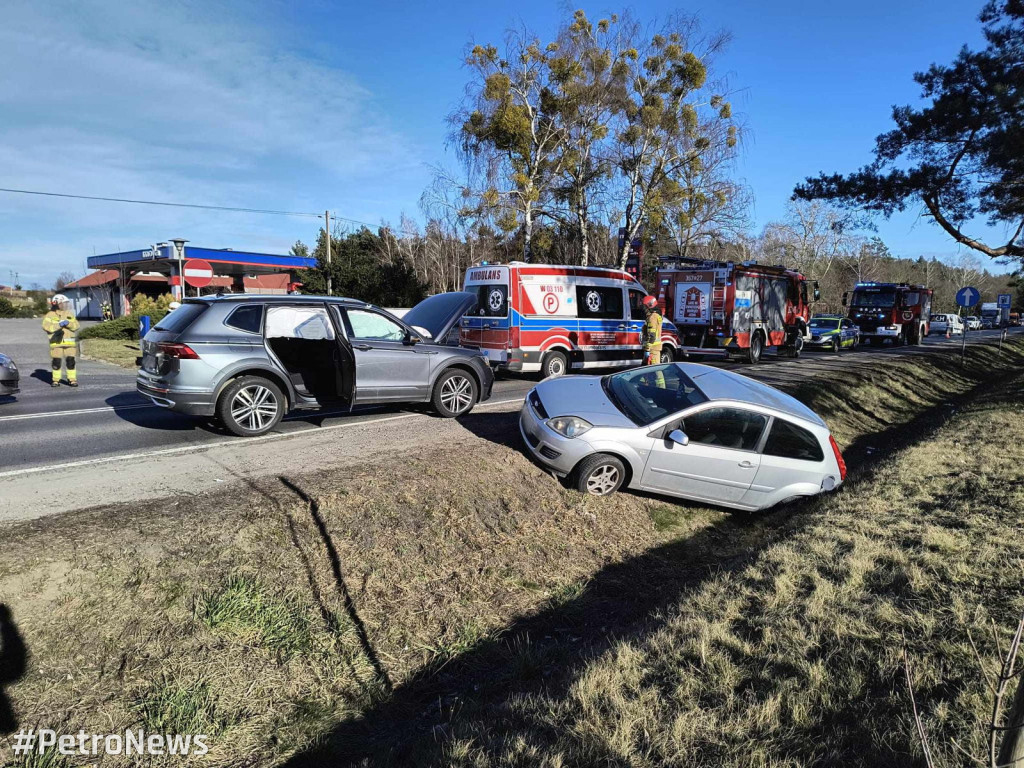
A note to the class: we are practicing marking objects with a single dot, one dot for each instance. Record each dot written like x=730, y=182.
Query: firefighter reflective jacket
x=652, y=332
x=60, y=337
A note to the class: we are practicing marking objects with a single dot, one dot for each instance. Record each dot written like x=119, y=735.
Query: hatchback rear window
x=181, y=318
x=792, y=442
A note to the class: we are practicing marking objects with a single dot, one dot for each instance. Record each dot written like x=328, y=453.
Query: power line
x=234, y=209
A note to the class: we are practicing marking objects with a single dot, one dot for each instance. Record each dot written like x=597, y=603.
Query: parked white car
x=972, y=323
x=940, y=323
x=684, y=430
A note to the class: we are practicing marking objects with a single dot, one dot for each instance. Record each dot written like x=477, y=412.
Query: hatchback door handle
x=363, y=347
x=747, y=464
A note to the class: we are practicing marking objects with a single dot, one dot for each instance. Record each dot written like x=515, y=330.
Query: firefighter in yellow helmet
x=60, y=325
x=652, y=331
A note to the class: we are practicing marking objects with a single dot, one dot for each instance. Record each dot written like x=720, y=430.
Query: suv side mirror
x=412, y=338
x=846, y=296
x=678, y=436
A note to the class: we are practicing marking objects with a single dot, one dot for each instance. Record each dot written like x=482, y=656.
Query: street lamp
x=179, y=247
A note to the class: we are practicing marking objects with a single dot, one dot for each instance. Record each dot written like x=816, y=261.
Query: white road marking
x=103, y=409
x=229, y=442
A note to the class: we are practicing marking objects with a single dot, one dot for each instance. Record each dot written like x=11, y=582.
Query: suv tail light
x=839, y=458
x=177, y=351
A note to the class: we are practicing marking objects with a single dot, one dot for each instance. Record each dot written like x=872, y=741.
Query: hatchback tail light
x=839, y=458
x=177, y=351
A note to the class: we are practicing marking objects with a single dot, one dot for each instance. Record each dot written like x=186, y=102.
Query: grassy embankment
x=124, y=354
x=464, y=608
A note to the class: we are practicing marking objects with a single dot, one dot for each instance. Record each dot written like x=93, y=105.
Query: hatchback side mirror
x=679, y=437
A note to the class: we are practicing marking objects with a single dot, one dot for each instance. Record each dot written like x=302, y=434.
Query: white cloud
x=176, y=101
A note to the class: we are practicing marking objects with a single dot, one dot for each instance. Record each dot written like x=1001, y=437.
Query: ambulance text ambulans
x=557, y=319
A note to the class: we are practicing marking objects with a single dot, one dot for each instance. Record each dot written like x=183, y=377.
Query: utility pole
x=327, y=232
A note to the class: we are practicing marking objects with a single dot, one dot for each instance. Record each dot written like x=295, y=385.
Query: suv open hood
x=437, y=314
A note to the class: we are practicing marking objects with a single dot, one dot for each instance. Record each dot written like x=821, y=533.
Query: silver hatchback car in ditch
x=684, y=430
x=248, y=359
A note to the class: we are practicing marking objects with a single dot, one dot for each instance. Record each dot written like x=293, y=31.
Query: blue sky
x=304, y=106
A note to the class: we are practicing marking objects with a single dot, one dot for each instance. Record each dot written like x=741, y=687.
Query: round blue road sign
x=967, y=296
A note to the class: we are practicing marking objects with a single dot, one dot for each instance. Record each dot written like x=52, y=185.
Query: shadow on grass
x=13, y=663
x=473, y=694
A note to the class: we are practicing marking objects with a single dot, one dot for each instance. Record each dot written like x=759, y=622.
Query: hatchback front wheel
x=250, y=406
x=600, y=475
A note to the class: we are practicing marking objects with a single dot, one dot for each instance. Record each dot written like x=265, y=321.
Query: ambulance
x=556, y=319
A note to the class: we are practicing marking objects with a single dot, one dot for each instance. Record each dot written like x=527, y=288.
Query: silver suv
x=247, y=360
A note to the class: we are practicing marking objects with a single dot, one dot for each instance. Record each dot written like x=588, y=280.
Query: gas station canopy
x=163, y=258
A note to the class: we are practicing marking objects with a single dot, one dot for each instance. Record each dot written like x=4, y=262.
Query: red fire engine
x=896, y=311
x=735, y=309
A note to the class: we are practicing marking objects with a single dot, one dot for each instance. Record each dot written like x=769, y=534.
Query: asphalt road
x=105, y=418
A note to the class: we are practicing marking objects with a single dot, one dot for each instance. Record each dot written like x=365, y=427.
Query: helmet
x=650, y=302
x=59, y=298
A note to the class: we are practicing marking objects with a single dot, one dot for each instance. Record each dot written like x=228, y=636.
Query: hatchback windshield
x=647, y=394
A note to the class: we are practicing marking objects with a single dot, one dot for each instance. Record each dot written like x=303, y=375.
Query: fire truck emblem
x=692, y=308
x=594, y=301
x=908, y=315
x=494, y=300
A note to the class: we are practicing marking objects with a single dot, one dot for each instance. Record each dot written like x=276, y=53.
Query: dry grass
x=123, y=354
x=475, y=612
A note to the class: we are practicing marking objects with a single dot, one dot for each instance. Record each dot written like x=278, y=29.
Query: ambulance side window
x=491, y=300
x=636, y=308
x=599, y=302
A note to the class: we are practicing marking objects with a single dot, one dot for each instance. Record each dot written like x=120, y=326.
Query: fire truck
x=725, y=308
x=897, y=311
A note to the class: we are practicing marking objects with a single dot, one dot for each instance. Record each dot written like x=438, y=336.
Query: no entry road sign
x=198, y=273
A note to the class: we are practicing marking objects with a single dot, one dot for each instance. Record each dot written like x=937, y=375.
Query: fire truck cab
x=556, y=319
x=897, y=311
x=720, y=307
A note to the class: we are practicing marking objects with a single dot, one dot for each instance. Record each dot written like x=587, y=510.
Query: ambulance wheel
x=668, y=355
x=756, y=349
x=599, y=475
x=455, y=394
x=555, y=364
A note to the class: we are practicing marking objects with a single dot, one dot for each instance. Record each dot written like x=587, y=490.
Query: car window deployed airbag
x=298, y=323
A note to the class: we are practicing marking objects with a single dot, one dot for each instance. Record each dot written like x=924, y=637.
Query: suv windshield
x=179, y=319
x=647, y=394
